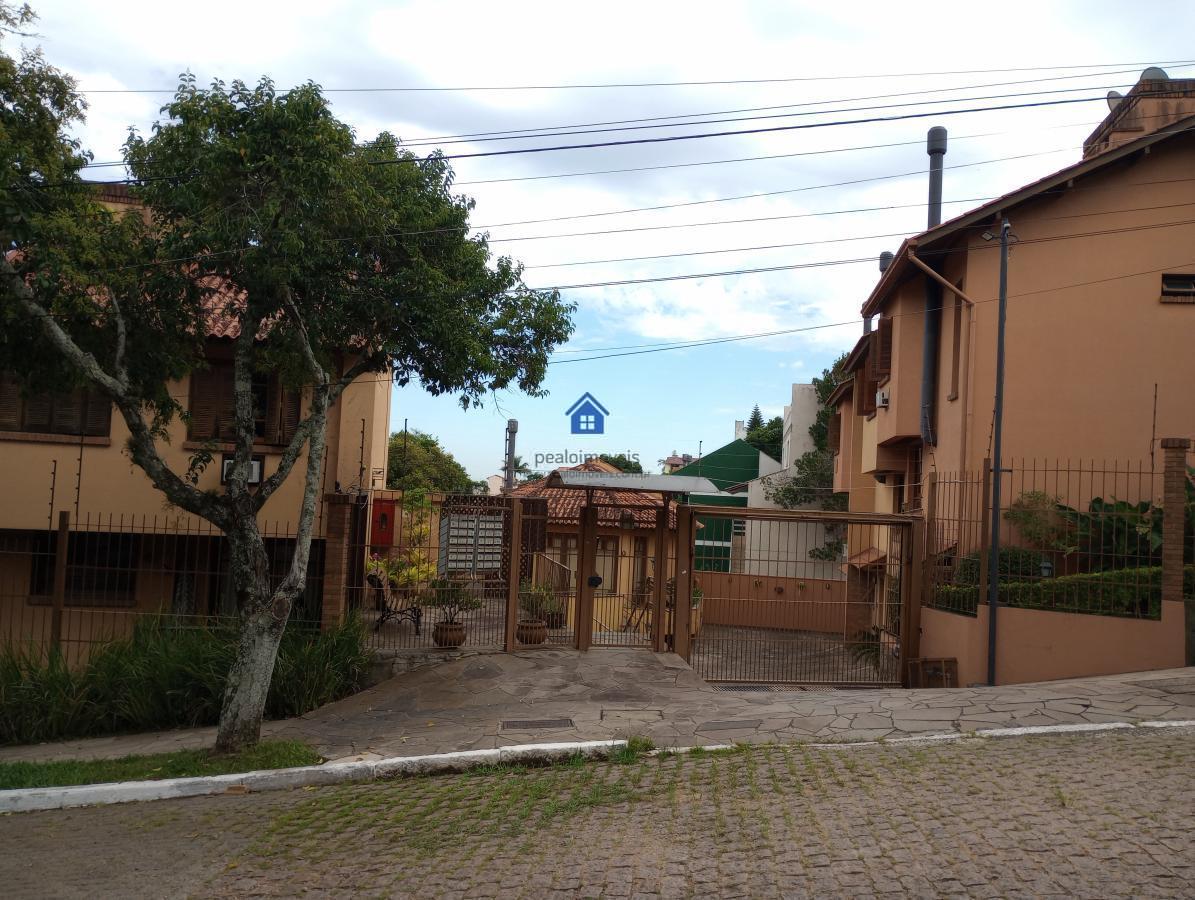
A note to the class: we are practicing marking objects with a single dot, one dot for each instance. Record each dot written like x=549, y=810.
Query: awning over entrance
x=866, y=559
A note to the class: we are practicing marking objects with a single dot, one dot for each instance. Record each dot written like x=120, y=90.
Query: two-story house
x=128, y=550
x=1100, y=323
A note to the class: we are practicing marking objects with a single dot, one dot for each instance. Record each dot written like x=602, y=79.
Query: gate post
x=586, y=553
x=659, y=626
x=514, y=571
x=683, y=595
x=1174, y=499
x=59, y=598
x=910, y=601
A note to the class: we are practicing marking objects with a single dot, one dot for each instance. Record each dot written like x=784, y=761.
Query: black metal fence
x=1079, y=537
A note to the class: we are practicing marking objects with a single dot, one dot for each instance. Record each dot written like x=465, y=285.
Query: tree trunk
x=262, y=623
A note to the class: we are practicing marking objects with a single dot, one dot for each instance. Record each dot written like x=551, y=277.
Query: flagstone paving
x=480, y=701
x=1088, y=815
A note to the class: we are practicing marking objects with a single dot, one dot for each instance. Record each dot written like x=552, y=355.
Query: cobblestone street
x=1107, y=814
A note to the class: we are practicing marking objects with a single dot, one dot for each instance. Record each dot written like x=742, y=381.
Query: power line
x=515, y=136
x=647, y=84
x=749, y=109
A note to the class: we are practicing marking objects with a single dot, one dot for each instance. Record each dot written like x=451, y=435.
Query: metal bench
x=397, y=605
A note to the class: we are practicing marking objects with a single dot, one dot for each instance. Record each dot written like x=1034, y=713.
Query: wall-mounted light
x=1047, y=568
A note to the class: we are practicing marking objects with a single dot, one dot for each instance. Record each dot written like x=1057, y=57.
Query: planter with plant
x=539, y=610
x=451, y=598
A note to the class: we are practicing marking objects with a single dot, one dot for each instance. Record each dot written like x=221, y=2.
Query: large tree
x=327, y=258
x=755, y=420
x=622, y=462
x=417, y=462
x=768, y=438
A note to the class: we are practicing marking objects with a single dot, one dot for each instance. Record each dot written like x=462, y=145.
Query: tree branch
x=142, y=446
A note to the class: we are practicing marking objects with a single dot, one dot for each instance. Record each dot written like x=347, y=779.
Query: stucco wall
x=1035, y=645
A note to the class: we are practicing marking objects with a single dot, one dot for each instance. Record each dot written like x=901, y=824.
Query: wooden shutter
x=291, y=403
x=10, y=404
x=867, y=399
x=38, y=413
x=97, y=420
x=211, y=405
x=67, y=412
x=834, y=433
x=884, y=347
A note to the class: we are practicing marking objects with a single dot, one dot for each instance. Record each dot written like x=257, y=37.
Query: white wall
x=798, y=416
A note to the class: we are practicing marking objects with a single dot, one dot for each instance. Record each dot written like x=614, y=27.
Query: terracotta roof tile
x=564, y=504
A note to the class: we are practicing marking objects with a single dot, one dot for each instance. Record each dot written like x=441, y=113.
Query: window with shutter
x=78, y=412
x=213, y=406
x=10, y=404
x=867, y=386
x=834, y=433
x=883, y=365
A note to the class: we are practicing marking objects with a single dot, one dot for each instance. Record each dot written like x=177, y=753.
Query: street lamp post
x=997, y=468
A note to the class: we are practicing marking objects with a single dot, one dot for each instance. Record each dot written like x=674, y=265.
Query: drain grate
x=759, y=688
x=535, y=724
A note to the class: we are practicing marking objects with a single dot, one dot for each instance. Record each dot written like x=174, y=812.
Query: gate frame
x=912, y=562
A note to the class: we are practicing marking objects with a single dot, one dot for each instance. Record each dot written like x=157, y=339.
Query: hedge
x=1122, y=592
x=166, y=676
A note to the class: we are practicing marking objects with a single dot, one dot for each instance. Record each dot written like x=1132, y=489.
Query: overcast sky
x=853, y=54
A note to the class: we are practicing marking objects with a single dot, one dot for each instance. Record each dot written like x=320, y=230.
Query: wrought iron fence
x=1080, y=537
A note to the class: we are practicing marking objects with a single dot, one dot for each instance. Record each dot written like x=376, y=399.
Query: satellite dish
x=1114, y=98
x=1153, y=73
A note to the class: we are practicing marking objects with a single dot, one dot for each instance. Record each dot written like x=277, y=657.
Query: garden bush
x=1016, y=564
x=1123, y=592
x=167, y=676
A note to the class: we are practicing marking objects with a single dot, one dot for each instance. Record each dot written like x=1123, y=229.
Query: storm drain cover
x=535, y=724
x=759, y=688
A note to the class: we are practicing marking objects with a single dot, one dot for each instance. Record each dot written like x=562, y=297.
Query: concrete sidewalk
x=561, y=695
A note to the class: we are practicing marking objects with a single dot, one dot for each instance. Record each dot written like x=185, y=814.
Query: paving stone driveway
x=479, y=701
x=1092, y=815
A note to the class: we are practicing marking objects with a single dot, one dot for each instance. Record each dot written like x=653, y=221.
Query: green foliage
x=168, y=675
x=768, y=437
x=1117, y=534
x=1124, y=592
x=811, y=478
x=151, y=767
x=1039, y=519
x=755, y=420
x=538, y=602
x=451, y=597
x=622, y=462
x=1016, y=564
x=417, y=461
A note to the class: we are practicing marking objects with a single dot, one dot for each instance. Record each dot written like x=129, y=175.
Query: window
x=101, y=568
x=606, y=564
x=78, y=412
x=213, y=406
x=588, y=423
x=1178, y=288
x=883, y=348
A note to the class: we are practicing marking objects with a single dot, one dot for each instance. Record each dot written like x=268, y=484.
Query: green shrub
x=167, y=676
x=1123, y=592
x=1016, y=564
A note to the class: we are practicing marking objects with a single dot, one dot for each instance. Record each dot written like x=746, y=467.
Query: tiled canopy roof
x=564, y=504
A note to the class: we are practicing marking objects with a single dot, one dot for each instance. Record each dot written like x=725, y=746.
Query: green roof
x=732, y=464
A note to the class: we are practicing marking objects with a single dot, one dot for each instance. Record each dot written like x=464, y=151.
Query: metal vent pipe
x=935, y=146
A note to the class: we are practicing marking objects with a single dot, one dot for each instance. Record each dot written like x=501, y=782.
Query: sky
x=838, y=194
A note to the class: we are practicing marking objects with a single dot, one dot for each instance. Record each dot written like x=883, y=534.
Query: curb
x=33, y=799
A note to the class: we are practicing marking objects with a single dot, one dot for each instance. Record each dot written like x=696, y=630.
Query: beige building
x=65, y=452
x=1101, y=316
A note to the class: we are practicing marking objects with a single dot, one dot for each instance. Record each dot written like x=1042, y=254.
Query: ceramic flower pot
x=534, y=631
x=449, y=634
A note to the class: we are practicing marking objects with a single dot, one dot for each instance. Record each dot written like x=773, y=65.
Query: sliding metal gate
x=799, y=597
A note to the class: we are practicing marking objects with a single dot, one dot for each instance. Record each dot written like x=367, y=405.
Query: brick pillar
x=337, y=511
x=1174, y=500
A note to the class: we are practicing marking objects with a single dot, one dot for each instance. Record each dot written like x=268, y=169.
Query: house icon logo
x=587, y=416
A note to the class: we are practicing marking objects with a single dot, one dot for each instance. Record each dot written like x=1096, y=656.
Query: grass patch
x=152, y=767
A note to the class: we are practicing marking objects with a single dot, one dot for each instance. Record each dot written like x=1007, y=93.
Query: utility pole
x=508, y=481
x=998, y=462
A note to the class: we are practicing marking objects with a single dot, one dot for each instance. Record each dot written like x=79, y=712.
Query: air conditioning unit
x=881, y=399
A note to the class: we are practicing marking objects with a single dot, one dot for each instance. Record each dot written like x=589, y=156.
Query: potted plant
x=451, y=598
x=540, y=610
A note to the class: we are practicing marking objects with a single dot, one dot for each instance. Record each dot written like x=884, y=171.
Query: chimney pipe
x=885, y=260
x=935, y=146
